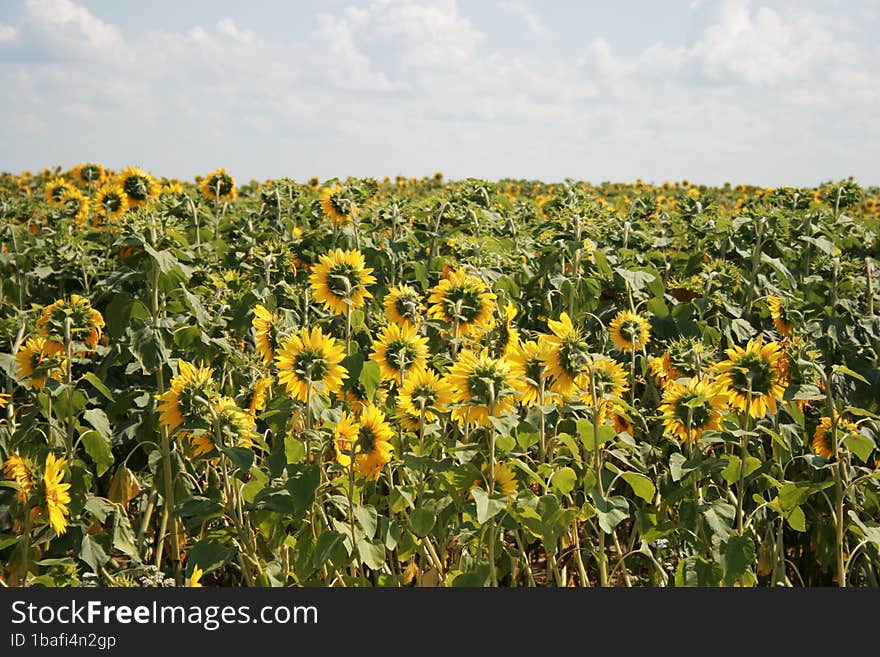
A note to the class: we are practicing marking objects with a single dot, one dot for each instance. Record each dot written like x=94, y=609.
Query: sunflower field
x=422, y=382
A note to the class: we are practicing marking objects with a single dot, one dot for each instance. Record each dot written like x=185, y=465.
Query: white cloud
x=71, y=26
x=527, y=14
x=8, y=34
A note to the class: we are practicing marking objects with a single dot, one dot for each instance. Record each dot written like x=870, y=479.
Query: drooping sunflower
x=502, y=339
x=76, y=206
x=310, y=358
x=172, y=187
x=56, y=189
x=218, y=186
x=335, y=206
x=89, y=174
x=258, y=394
x=183, y=404
x=367, y=440
x=237, y=426
x=629, y=331
x=16, y=468
x=565, y=355
x=403, y=306
x=752, y=377
x=779, y=315
x=340, y=279
x=480, y=385
x=422, y=390
x=139, y=186
x=822, y=440
x=86, y=323
x=505, y=481
x=463, y=301
x=529, y=370
x=265, y=325
x=689, y=410
x=57, y=495
x=35, y=361
x=685, y=358
x=610, y=380
x=399, y=350
x=111, y=202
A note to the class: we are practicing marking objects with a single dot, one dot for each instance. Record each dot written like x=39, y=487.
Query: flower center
x=137, y=187
x=485, y=385
x=400, y=354
x=310, y=364
x=572, y=355
x=752, y=373
x=407, y=307
x=462, y=304
x=343, y=280
x=366, y=440
x=700, y=413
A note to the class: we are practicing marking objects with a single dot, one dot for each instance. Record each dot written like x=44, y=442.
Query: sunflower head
x=609, y=378
x=340, y=280
x=183, y=405
x=689, y=410
x=823, y=443
x=425, y=392
x=256, y=394
x=89, y=174
x=139, y=186
x=38, y=358
x=20, y=470
x=403, y=306
x=779, y=314
x=629, y=331
x=238, y=426
x=528, y=365
x=482, y=386
x=753, y=377
x=502, y=339
x=464, y=302
x=265, y=324
x=76, y=206
x=56, y=189
x=111, y=202
x=398, y=350
x=308, y=362
x=365, y=441
x=74, y=318
x=566, y=354
x=218, y=186
x=336, y=206
x=56, y=493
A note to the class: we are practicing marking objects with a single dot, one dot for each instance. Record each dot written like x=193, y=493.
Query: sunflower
x=195, y=579
x=56, y=189
x=57, y=495
x=463, y=301
x=565, y=354
x=423, y=390
x=308, y=359
x=139, y=186
x=399, y=350
x=752, y=377
x=529, y=370
x=340, y=280
x=356, y=396
x=685, y=358
x=184, y=401
x=780, y=317
x=503, y=339
x=89, y=174
x=258, y=395
x=367, y=440
x=611, y=381
x=85, y=323
x=236, y=424
x=265, y=325
x=689, y=410
x=481, y=385
x=111, y=202
x=336, y=207
x=629, y=331
x=218, y=186
x=822, y=440
x=505, y=481
x=17, y=469
x=35, y=361
x=172, y=187
x=76, y=205
x=4, y=399
x=403, y=306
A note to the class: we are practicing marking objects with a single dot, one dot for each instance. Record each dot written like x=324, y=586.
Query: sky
x=762, y=92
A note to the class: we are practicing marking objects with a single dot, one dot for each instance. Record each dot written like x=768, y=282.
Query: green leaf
x=564, y=480
x=732, y=471
x=371, y=553
x=797, y=520
x=843, y=369
x=195, y=305
x=241, y=457
x=367, y=519
x=737, y=557
x=697, y=572
x=330, y=548
x=641, y=485
x=98, y=385
x=147, y=346
x=422, y=521
x=860, y=445
x=93, y=553
x=611, y=510
x=98, y=448
x=585, y=432
x=210, y=554
x=572, y=446
x=98, y=419
x=294, y=448
x=487, y=507
x=369, y=378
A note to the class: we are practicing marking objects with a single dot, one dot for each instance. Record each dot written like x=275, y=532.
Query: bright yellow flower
x=399, y=350
x=86, y=323
x=481, y=386
x=265, y=333
x=335, y=207
x=822, y=441
x=565, y=354
x=422, y=390
x=111, y=202
x=57, y=495
x=340, y=278
x=89, y=174
x=17, y=469
x=56, y=190
x=779, y=316
x=403, y=306
x=502, y=339
x=195, y=580
x=219, y=186
x=367, y=440
x=139, y=186
x=752, y=377
x=689, y=410
x=258, y=395
x=629, y=331
x=464, y=302
x=310, y=359
x=184, y=401
x=38, y=358
x=529, y=370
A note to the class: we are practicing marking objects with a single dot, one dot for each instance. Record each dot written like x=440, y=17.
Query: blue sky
x=730, y=90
